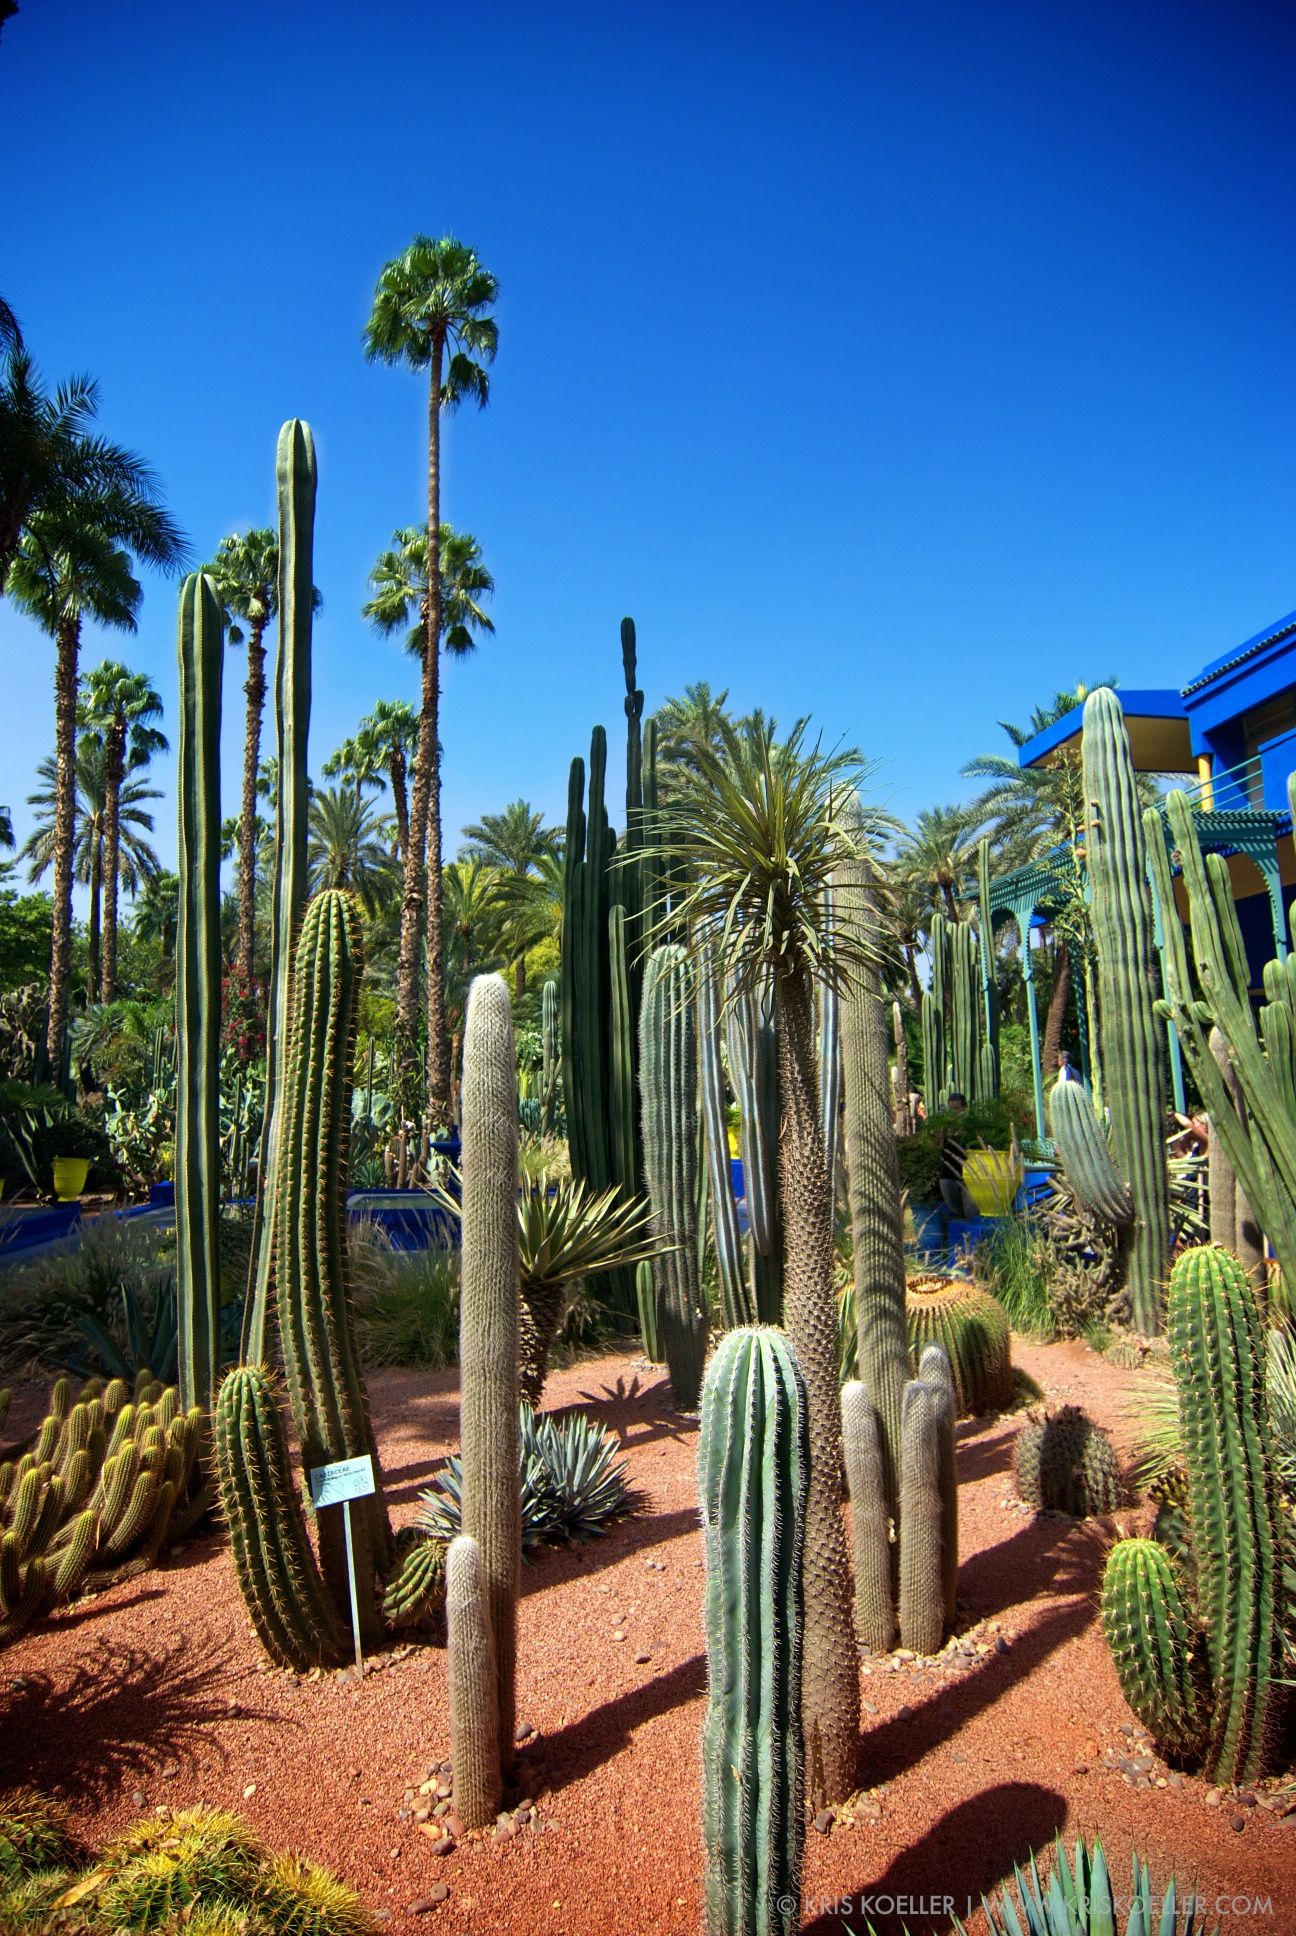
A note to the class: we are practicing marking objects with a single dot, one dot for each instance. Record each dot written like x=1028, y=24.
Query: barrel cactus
x=1064, y=1463
x=753, y=1472
x=973, y=1327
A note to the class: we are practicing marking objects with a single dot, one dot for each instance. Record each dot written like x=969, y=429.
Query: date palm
x=345, y=848
x=756, y=832
x=938, y=852
x=522, y=850
x=392, y=726
x=431, y=312
x=401, y=582
x=120, y=706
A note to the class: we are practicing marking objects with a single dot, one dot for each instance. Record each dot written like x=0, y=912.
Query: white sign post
x=337, y=1485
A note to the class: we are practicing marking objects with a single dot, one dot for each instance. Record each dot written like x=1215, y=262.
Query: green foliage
x=406, y=1302
x=989, y=1124
x=25, y=924
x=34, y=1834
x=572, y=1482
x=43, y=1302
x=1081, y=1901
x=1016, y=1263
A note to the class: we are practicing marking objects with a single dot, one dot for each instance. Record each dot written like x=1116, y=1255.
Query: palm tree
x=74, y=563
x=119, y=705
x=402, y=598
x=359, y=760
x=137, y=862
x=758, y=832
x=689, y=729
x=938, y=852
x=157, y=912
x=346, y=848
x=6, y=828
x=430, y=313
x=393, y=727
x=246, y=571
x=524, y=853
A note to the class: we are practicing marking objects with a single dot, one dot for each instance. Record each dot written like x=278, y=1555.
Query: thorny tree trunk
x=65, y=702
x=830, y=1715
x=114, y=768
x=1055, y=1021
x=255, y=693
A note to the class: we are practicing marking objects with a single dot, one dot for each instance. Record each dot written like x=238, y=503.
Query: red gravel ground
x=155, y=1693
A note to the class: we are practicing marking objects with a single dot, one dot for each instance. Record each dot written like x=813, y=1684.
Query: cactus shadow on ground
x=976, y=1842
x=597, y=1737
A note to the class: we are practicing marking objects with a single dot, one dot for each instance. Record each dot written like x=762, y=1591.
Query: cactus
x=935, y=1087
x=934, y=1369
x=1130, y=1041
x=551, y=1058
x=488, y=1327
x=325, y=1389
x=669, y=1089
x=1232, y=1221
x=1065, y=1464
x=646, y=1299
x=830, y=1075
x=753, y=1065
x=922, y=1589
x=292, y=1610
x=965, y=1009
x=870, y=1519
x=198, y=980
x=736, y=1305
x=753, y=1472
x=295, y=483
x=1153, y=1644
x=988, y=1067
x=476, y=1735
x=903, y=1106
x=1081, y=1142
x=973, y=1328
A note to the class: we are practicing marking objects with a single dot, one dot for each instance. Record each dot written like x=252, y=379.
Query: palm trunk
x=830, y=1712
x=400, y=800
x=915, y=986
x=1057, y=1008
x=65, y=702
x=255, y=692
x=951, y=905
x=96, y=904
x=114, y=767
x=519, y=978
x=425, y=759
x=438, y=1046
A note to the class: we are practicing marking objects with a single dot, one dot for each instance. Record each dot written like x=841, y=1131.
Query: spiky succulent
x=1064, y=1463
x=1081, y=1901
x=573, y=1482
x=33, y=1833
x=973, y=1327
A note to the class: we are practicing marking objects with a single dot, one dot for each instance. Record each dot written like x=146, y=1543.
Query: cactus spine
x=1128, y=981
x=474, y=1685
x=488, y=1330
x=922, y=1590
x=1087, y=1161
x=668, y=1081
x=870, y=1519
x=1153, y=1645
x=198, y=980
x=753, y=1473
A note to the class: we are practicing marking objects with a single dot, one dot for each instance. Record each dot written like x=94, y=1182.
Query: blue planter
x=411, y=1219
x=24, y=1230
x=162, y=1196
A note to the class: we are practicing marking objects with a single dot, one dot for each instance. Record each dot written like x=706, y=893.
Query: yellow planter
x=734, y=1150
x=70, y=1173
x=992, y=1179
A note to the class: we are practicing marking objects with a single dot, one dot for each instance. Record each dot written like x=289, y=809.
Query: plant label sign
x=345, y=1479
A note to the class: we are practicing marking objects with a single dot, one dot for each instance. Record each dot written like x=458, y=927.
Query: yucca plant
x=1079, y=1900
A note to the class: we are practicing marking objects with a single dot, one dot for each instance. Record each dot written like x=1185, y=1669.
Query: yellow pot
x=70, y=1173
x=734, y=1150
x=992, y=1179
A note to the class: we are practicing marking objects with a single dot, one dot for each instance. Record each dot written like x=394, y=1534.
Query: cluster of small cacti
x=92, y=1499
x=1064, y=1463
x=668, y=1084
x=1128, y=1186
x=973, y=1328
x=197, y=1869
x=1201, y=1667
x=753, y=1471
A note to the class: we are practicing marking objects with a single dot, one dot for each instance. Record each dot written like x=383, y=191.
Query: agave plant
x=572, y=1480
x=1080, y=1901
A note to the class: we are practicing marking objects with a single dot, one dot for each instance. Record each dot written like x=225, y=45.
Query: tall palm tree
x=401, y=581
x=246, y=571
x=74, y=562
x=6, y=828
x=393, y=727
x=430, y=312
x=359, y=760
x=689, y=727
x=346, y=848
x=137, y=863
x=120, y=705
x=937, y=853
x=759, y=832
x=517, y=844
x=157, y=912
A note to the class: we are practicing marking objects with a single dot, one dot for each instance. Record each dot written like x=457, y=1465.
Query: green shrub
x=983, y=1124
x=406, y=1301
x=1016, y=1264
x=44, y=1304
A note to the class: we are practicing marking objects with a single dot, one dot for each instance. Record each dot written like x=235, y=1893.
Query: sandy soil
x=155, y=1693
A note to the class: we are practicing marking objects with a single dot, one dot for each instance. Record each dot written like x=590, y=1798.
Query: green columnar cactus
x=1130, y=1040
x=1250, y=1111
x=904, y=1110
x=623, y=980
x=1150, y=1632
x=476, y=1736
x=1065, y=1464
x=1081, y=1141
x=325, y=1387
x=989, y=1060
x=295, y=482
x=830, y=1075
x=198, y=981
x=973, y=1328
x=922, y=1588
x=870, y=1519
x=736, y=1304
x=488, y=1326
x=550, y=1053
x=934, y=1370
x=753, y=1067
x=668, y=1082
x=753, y=1471
x=291, y=1609
x=965, y=1009
x=935, y=1085
x=646, y=1300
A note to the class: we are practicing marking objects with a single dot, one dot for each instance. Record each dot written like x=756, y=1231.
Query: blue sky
x=890, y=364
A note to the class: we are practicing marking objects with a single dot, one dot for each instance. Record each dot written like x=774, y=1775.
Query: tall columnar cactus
x=736, y=1303
x=550, y=1057
x=1130, y=1040
x=935, y=1084
x=753, y=1471
x=198, y=983
x=292, y=1610
x=935, y=1371
x=474, y=1686
x=922, y=1589
x=966, y=999
x=830, y=1075
x=989, y=1066
x=488, y=1327
x=753, y=1067
x=1081, y=1142
x=1233, y=1223
x=325, y=1387
x=1217, y=1353
x=875, y=1614
x=1250, y=1108
x=903, y=1106
x=295, y=482
x=668, y=1083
